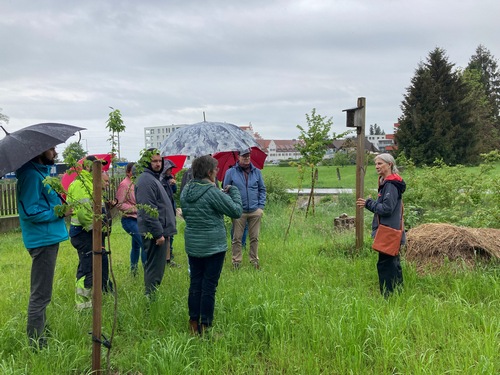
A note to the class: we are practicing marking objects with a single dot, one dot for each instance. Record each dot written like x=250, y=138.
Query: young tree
x=313, y=145
x=437, y=116
x=73, y=152
x=115, y=126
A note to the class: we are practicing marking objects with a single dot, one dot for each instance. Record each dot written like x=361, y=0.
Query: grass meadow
x=313, y=308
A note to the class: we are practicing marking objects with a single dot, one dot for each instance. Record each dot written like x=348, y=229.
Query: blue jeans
x=129, y=225
x=205, y=274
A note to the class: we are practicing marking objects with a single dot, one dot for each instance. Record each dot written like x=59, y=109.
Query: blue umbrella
x=206, y=138
x=21, y=146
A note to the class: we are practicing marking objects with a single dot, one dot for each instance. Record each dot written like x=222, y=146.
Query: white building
x=383, y=142
x=155, y=135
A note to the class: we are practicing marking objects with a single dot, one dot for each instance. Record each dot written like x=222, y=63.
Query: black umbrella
x=23, y=145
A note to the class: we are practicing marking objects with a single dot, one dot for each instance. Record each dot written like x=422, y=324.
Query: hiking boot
x=236, y=265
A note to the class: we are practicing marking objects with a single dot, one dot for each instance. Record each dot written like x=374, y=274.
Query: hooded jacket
x=40, y=225
x=387, y=206
x=252, y=188
x=203, y=208
x=150, y=192
x=81, y=191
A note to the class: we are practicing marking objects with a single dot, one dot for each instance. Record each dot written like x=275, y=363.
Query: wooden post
x=360, y=170
x=97, y=267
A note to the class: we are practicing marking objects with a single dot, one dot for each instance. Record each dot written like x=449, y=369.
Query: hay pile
x=431, y=245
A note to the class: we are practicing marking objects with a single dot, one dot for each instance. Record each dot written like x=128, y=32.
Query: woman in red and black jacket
x=387, y=209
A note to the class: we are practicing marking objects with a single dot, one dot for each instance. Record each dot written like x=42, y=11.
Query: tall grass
x=314, y=308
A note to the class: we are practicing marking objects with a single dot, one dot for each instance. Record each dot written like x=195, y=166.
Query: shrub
x=276, y=188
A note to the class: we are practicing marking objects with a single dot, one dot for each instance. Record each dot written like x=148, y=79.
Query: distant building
x=279, y=149
x=155, y=135
x=384, y=142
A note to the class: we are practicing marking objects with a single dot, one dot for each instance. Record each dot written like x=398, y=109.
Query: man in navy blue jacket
x=42, y=229
x=248, y=179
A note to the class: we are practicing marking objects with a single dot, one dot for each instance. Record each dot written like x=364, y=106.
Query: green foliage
x=275, y=188
x=313, y=291
x=344, y=158
x=314, y=140
x=453, y=194
x=437, y=121
x=73, y=152
x=484, y=63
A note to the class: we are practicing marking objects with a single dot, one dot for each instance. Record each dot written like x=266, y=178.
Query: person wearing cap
x=42, y=230
x=248, y=179
x=80, y=194
x=125, y=196
x=155, y=227
x=167, y=179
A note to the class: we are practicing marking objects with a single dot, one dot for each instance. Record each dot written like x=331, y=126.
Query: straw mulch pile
x=429, y=246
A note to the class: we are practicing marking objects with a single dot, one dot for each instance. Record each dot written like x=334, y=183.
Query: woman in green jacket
x=203, y=208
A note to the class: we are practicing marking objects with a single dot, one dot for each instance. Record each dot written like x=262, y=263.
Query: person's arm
x=388, y=203
x=228, y=203
x=228, y=178
x=30, y=196
x=145, y=195
x=126, y=198
x=261, y=191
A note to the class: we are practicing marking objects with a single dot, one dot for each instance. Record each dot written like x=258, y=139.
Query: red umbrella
x=69, y=176
x=178, y=160
x=227, y=159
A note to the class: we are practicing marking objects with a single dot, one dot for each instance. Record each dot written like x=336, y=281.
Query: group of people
x=146, y=202
x=145, y=199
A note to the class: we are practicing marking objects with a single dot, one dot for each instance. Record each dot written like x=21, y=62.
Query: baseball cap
x=244, y=151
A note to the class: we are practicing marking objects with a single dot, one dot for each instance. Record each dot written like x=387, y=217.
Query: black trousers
x=83, y=244
x=156, y=258
x=390, y=273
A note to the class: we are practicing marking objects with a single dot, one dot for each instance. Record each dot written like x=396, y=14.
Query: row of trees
x=451, y=114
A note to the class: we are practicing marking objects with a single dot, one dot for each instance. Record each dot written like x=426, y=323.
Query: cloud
x=264, y=62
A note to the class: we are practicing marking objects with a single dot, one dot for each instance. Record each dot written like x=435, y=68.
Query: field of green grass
x=328, y=175
x=314, y=308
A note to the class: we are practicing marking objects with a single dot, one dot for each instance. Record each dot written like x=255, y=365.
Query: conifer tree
x=483, y=69
x=436, y=122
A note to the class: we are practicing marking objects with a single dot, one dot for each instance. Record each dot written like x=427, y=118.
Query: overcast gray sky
x=265, y=62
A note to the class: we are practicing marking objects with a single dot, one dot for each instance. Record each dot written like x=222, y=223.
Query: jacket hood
x=397, y=181
x=196, y=189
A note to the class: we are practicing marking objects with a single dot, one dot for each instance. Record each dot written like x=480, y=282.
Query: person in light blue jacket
x=42, y=230
x=248, y=179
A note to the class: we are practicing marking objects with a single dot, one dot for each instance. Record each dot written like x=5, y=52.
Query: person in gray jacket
x=248, y=179
x=203, y=208
x=155, y=229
